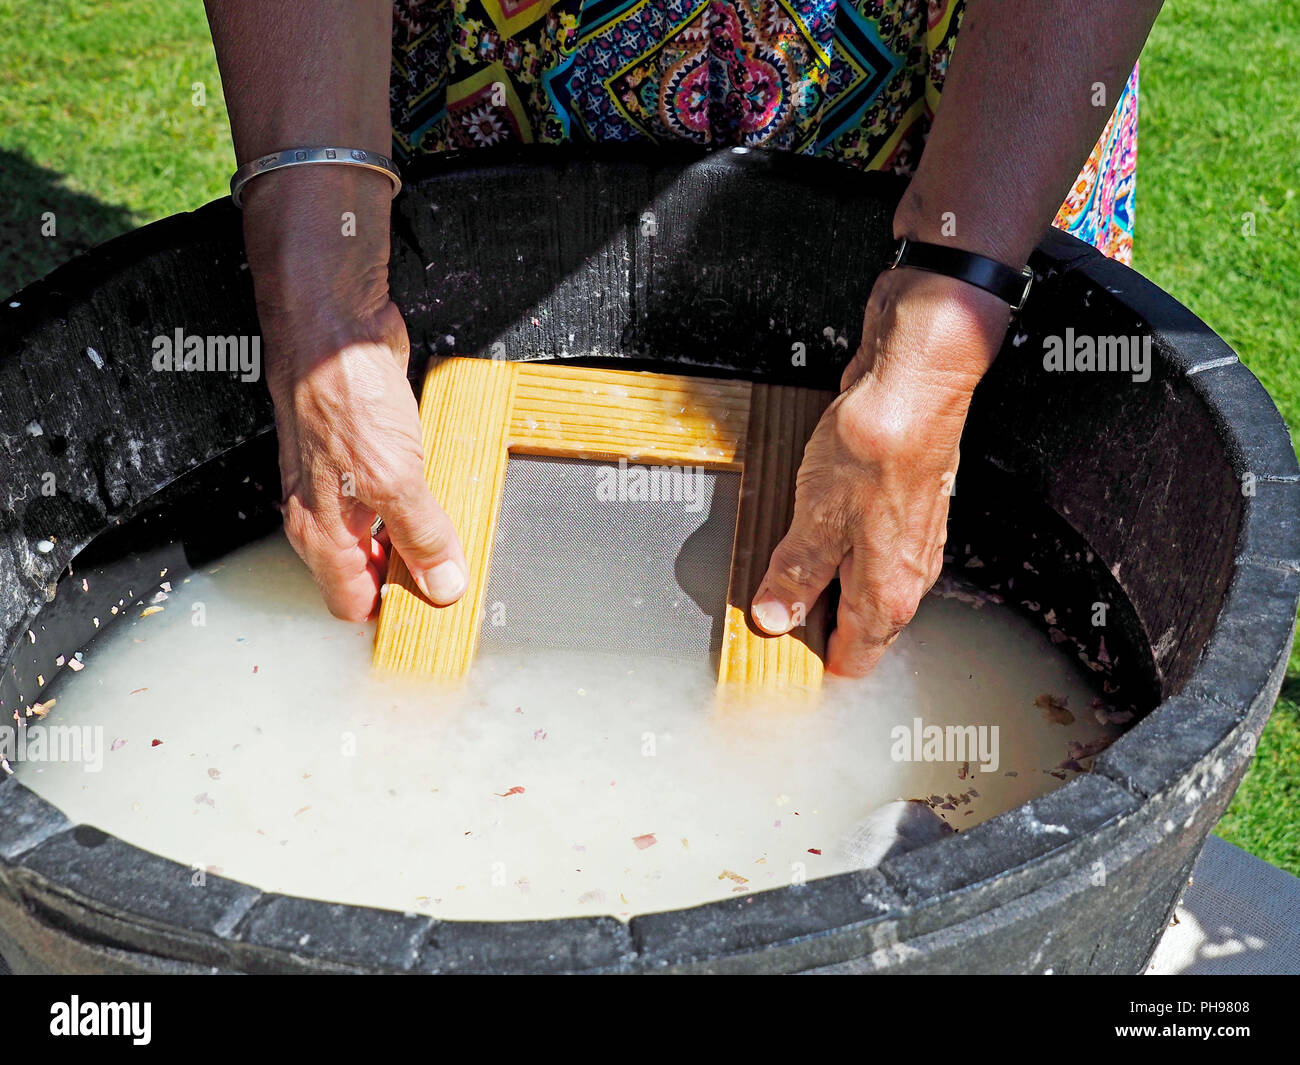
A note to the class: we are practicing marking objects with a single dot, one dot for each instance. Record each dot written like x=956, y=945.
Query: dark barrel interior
x=1174, y=502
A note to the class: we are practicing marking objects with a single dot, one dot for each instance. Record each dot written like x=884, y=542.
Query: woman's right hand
x=336, y=353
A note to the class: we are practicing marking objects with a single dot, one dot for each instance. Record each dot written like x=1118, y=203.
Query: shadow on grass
x=31, y=194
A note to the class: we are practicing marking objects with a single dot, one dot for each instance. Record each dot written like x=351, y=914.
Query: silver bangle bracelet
x=306, y=156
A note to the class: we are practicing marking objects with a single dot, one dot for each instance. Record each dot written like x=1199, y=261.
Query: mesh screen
x=606, y=557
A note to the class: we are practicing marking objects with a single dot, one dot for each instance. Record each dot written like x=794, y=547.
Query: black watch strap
x=992, y=276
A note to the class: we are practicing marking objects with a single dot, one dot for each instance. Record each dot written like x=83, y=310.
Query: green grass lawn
x=98, y=125
x=1219, y=149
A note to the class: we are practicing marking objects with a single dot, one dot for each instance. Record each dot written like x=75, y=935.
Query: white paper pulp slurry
x=244, y=734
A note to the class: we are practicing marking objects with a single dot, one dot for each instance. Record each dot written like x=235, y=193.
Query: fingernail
x=444, y=583
x=772, y=617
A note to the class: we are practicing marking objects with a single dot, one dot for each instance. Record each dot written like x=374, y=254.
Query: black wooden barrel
x=1174, y=501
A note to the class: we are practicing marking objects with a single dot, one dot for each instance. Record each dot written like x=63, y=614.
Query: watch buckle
x=1028, y=274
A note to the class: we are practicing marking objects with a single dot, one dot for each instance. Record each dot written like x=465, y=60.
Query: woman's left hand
x=871, y=499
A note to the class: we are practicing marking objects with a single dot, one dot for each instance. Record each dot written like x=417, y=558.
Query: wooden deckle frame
x=475, y=413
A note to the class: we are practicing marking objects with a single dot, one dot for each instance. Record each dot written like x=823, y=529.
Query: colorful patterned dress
x=852, y=80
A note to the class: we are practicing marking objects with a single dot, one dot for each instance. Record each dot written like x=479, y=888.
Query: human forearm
x=303, y=73
x=310, y=74
x=1021, y=109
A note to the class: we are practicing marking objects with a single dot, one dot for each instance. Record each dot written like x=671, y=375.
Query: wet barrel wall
x=1173, y=501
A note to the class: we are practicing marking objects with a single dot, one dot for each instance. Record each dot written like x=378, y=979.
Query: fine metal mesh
x=583, y=560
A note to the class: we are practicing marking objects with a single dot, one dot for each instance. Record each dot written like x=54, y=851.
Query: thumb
x=425, y=537
x=801, y=567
